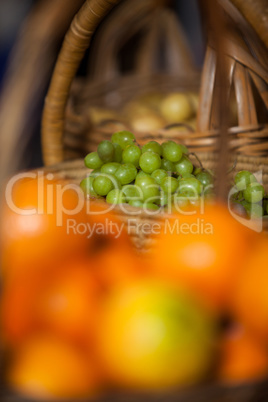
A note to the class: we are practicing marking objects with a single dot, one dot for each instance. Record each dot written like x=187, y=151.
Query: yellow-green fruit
x=176, y=107
x=147, y=122
x=152, y=337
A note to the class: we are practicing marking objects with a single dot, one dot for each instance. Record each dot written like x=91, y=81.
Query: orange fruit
x=63, y=302
x=243, y=357
x=18, y=301
x=250, y=296
x=68, y=305
x=34, y=227
x=46, y=368
x=203, y=251
x=151, y=337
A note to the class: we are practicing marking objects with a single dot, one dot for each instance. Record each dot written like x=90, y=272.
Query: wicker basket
x=243, y=58
x=108, y=86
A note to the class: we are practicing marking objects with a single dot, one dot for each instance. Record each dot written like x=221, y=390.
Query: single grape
x=110, y=168
x=132, y=192
x=115, y=196
x=126, y=173
x=123, y=138
x=150, y=205
x=136, y=203
x=169, y=185
x=152, y=146
x=167, y=165
x=150, y=190
x=158, y=175
x=106, y=151
x=190, y=186
x=171, y=151
x=243, y=179
x=102, y=184
x=87, y=187
x=141, y=173
x=150, y=161
x=117, y=153
x=254, y=193
x=93, y=161
x=131, y=154
x=188, y=176
x=95, y=172
x=205, y=179
x=184, y=166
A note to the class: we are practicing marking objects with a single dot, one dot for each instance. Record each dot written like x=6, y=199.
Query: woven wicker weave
x=248, y=141
x=249, y=138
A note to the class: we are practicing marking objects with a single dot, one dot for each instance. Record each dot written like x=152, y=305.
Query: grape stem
x=198, y=160
x=233, y=167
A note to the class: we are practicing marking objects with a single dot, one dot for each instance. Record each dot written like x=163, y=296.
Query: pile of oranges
x=82, y=312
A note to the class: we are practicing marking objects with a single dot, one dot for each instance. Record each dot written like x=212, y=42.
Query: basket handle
x=74, y=46
x=133, y=15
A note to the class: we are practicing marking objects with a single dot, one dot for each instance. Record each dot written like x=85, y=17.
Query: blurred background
x=26, y=52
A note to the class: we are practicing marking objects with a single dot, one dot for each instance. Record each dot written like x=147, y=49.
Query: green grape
x=254, y=211
x=87, y=187
x=158, y=175
x=167, y=165
x=136, y=203
x=171, y=151
x=152, y=146
x=184, y=149
x=115, y=196
x=150, y=205
x=205, y=179
x=110, y=168
x=132, y=192
x=102, y=185
x=150, y=161
x=254, y=193
x=131, y=154
x=117, y=153
x=163, y=199
x=126, y=173
x=190, y=186
x=243, y=179
x=150, y=190
x=106, y=151
x=93, y=161
x=95, y=172
x=188, y=176
x=141, y=173
x=184, y=166
x=169, y=185
x=197, y=170
x=116, y=183
x=123, y=138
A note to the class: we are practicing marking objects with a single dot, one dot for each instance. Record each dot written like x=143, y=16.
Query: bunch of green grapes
x=152, y=176
x=250, y=195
